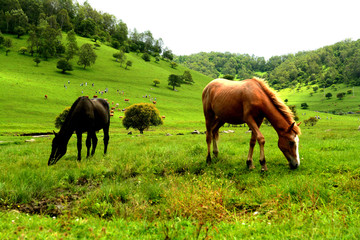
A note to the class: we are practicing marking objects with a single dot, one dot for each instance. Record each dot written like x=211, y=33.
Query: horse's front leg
x=208, y=141
x=79, y=145
x=256, y=136
x=249, y=161
x=94, y=143
x=261, y=141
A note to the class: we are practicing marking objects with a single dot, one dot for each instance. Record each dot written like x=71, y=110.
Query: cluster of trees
x=176, y=80
x=338, y=63
x=49, y=17
x=214, y=64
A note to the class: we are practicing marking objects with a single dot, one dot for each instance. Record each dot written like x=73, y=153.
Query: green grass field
x=154, y=186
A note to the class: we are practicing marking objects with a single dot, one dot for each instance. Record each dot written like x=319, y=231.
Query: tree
x=187, y=78
x=48, y=41
x=156, y=82
x=19, y=31
x=146, y=57
x=174, y=81
x=87, y=55
x=71, y=47
x=340, y=96
x=304, y=106
x=311, y=121
x=23, y=50
x=8, y=44
x=64, y=65
x=315, y=89
x=167, y=54
x=37, y=61
x=173, y=64
x=128, y=64
x=141, y=116
x=228, y=77
x=328, y=95
x=2, y=38
x=120, y=57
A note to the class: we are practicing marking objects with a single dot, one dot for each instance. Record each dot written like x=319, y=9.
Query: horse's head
x=289, y=145
x=58, y=149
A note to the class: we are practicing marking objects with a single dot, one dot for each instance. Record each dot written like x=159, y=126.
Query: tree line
x=337, y=63
x=50, y=17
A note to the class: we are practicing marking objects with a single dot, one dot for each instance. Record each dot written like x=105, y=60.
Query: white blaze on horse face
x=297, y=149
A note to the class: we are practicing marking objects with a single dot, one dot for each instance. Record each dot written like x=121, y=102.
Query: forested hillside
x=338, y=63
x=44, y=20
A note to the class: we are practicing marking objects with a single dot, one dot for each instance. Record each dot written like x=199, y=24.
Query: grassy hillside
x=318, y=102
x=24, y=86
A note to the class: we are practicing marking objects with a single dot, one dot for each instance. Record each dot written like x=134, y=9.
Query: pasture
x=158, y=185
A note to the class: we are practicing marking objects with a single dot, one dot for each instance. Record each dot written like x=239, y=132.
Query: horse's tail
x=279, y=104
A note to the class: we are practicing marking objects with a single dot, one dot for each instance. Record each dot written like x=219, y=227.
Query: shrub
x=141, y=116
x=340, y=96
x=37, y=61
x=304, y=106
x=311, y=121
x=64, y=65
x=228, y=77
x=23, y=50
x=60, y=119
x=328, y=95
x=156, y=82
x=146, y=57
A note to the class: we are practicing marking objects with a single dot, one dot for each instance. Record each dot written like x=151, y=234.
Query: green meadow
x=157, y=185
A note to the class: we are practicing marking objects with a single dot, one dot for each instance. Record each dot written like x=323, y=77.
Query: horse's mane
x=278, y=103
x=69, y=116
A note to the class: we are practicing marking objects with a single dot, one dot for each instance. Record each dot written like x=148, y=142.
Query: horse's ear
x=298, y=123
x=55, y=133
x=291, y=127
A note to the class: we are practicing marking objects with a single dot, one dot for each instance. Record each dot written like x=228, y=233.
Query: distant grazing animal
x=154, y=102
x=45, y=97
x=126, y=100
x=249, y=101
x=85, y=115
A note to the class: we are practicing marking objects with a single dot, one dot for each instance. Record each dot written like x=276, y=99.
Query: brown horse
x=249, y=101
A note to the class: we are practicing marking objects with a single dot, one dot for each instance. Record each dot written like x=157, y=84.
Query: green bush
x=60, y=119
x=141, y=116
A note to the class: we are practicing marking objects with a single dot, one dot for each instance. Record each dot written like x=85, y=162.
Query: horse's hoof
x=208, y=160
x=264, y=169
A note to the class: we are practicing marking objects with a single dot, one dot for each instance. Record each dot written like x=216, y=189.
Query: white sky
x=261, y=27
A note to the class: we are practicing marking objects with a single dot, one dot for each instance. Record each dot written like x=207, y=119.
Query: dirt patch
x=52, y=207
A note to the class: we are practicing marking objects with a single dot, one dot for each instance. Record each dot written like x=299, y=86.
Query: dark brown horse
x=249, y=101
x=85, y=115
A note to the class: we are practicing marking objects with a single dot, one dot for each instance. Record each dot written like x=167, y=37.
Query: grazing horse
x=249, y=101
x=85, y=115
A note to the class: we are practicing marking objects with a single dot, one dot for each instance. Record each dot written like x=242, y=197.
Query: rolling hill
x=24, y=85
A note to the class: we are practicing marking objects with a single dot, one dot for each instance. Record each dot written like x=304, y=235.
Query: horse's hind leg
x=208, y=141
x=209, y=137
x=215, y=135
x=106, y=138
x=94, y=143
x=79, y=144
x=88, y=143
